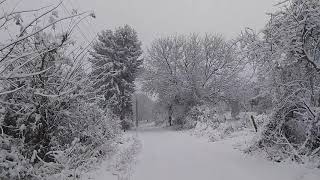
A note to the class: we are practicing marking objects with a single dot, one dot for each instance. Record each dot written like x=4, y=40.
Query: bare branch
x=25, y=75
x=12, y=91
x=23, y=11
x=55, y=95
x=40, y=30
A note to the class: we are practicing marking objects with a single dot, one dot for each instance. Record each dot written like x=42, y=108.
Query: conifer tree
x=115, y=61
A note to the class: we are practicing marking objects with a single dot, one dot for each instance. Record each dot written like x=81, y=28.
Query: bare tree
x=186, y=70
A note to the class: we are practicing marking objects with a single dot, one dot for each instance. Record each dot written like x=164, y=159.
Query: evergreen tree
x=115, y=62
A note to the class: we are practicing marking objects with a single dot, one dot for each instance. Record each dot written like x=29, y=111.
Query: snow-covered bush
x=126, y=124
x=203, y=114
x=70, y=137
x=261, y=103
x=293, y=131
x=289, y=47
x=217, y=131
x=207, y=122
x=13, y=164
x=50, y=125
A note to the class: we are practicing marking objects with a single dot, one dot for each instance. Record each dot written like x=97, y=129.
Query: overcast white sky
x=154, y=18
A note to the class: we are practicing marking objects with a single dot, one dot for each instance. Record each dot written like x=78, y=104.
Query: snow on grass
x=119, y=167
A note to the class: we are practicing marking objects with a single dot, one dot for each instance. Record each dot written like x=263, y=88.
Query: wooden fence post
x=254, y=123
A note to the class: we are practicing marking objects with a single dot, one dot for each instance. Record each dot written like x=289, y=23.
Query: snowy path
x=169, y=155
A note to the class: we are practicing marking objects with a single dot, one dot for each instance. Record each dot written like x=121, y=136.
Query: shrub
x=77, y=141
x=293, y=131
x=126, y=125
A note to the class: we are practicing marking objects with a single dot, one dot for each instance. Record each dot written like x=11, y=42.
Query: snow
x=178, y=155
x=119, y=167
x=101, y=174
x=172, y=155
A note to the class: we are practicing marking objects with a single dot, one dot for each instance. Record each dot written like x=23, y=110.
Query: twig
x=2, y=133
x=315, y=151
x=25, y=75
x=12, y=91
x=40, y=30
x=292, y=148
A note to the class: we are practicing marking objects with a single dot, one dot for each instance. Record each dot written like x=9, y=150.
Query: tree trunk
x=121, y=116
x=122, y=110
x=235, y=108
x=170, y=115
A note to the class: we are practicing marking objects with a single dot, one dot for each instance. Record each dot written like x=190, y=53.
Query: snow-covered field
x=172, y=155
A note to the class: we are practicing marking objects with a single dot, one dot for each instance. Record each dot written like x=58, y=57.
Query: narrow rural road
x=170, y=155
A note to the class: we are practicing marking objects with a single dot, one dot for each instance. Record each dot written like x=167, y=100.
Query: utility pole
x=137, y=116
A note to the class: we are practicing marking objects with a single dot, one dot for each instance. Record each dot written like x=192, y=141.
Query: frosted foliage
x=187, y=70
x=287, y=54
x=50, y=124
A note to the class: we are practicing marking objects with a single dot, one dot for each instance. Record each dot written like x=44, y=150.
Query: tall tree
x=115, y=63
x=187, y=70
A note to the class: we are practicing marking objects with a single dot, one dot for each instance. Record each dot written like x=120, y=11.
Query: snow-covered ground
x=119, y=167
x=172, y=155
x=178, y=155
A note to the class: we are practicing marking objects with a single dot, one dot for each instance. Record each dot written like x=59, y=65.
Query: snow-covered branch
x=25, y=75
x=11, y=91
